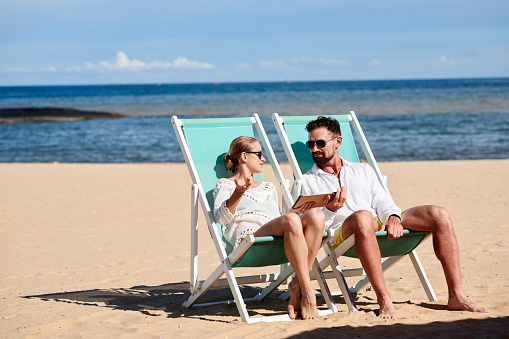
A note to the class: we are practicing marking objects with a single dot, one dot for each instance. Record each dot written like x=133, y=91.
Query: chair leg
x=386, y=264
x=282, y=277
x=234, y=286
x=194, y=239
x=322, y=282
x=340, y=278
x=205, y=286
x=422, y=276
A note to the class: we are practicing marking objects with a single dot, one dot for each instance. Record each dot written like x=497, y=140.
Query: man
x=369, y=208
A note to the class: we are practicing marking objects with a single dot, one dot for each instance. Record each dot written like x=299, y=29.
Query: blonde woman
x=245, y=206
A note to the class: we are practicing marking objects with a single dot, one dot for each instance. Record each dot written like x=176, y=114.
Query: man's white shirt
x=363, y=190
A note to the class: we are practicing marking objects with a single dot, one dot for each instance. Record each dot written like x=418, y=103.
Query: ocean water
x=404, y=120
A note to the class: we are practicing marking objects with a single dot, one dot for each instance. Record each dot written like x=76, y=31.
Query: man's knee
x=439, y=212
x=439, y=215
x=362, y=221
x=362, y=217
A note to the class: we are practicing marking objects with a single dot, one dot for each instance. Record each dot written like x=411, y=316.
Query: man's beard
x=322, y=160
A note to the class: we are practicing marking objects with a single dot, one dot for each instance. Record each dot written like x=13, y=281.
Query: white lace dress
x=256, y=207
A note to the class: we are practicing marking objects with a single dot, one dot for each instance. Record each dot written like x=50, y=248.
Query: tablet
x=317, y=198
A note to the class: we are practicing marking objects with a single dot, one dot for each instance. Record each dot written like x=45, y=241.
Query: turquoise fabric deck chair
x=203, y=143
x=292, y=133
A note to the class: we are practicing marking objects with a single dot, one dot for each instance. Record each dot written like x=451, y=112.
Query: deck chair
x=203, y=143
x=292, y=133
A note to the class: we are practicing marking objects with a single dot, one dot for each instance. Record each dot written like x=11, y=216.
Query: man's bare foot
x=294, y=306
x=308, y=304
x=386, y=308
x=462, y=303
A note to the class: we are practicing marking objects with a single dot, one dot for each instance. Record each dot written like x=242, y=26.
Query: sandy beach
x=91, y=250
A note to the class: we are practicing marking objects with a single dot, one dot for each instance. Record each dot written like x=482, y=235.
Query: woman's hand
x=303, y=208
x=242, y=186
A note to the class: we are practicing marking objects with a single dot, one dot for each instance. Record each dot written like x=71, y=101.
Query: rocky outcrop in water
x=45, y=114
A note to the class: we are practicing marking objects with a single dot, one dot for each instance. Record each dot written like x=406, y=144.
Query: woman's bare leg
x=301, y=256
x=313, y=224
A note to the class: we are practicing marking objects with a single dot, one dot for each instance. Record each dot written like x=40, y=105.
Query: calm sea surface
x=403, y=119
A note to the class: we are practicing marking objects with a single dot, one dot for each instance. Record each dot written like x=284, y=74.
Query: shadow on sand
x=465, y=328
x=169, y=298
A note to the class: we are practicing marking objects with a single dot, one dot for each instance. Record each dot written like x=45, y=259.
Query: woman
x=244, y=206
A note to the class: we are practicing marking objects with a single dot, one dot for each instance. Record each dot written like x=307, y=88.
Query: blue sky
x=59, y=42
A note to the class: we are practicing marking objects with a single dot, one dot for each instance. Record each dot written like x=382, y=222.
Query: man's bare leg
x=437, y=220
x=363, y=225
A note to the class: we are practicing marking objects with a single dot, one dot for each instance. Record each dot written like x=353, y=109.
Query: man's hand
x=337, y=200
x=393, y=227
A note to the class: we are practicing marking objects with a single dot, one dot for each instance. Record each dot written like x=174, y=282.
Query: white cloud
x=73, y=69
x=123, y=63
x=272, y=64
x=442, y=61
x=304, y=62
x=242, y=65
x=321, y=62
x=375, y=63
x=50, y=69
x=18, y=70
x=185, y=63
x=445, y=60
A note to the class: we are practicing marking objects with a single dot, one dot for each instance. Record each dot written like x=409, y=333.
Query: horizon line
x=162, y=83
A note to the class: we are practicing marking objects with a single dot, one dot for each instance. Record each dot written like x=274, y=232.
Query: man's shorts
x=340, y=238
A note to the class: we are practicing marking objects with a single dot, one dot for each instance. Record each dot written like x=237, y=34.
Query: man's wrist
x=395, y=215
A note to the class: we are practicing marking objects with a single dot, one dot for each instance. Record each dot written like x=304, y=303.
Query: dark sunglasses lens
x=319, y=144
x=258, y=154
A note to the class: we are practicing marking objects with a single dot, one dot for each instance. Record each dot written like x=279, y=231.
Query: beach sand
x=91, y=250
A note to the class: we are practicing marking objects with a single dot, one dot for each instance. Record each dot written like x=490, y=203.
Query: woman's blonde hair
x=238, y=145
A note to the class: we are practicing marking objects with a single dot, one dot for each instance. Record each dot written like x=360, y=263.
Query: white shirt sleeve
x=381, y=201
x=329, y=217
x=222, y=192
x=364, y=192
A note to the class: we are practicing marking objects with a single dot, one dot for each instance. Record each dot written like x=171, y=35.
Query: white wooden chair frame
x=198, y=288
x=300, y=187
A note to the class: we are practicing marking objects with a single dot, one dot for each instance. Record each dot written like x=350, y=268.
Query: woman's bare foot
x=308, y=304
x=462, y=303
x=294, y=306
x=386, y=308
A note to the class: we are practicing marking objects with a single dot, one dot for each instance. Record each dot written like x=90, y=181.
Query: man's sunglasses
x=259, y=154
x=319, y=143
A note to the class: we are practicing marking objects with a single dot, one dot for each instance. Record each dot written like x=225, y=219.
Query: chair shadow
x=434, y=306
x=368, y=302
x=169, y=298
x=150, y=300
